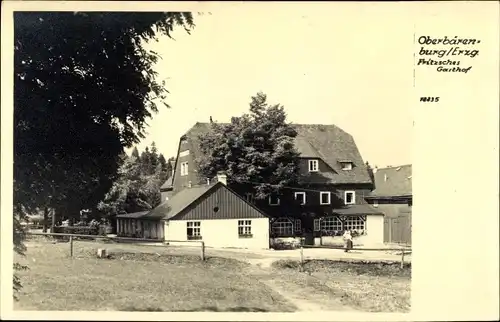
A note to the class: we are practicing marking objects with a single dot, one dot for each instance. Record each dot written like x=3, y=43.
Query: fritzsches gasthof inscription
x=448, y=54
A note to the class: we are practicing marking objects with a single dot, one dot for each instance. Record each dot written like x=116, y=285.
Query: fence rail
x=96, y=237
x=404, y=250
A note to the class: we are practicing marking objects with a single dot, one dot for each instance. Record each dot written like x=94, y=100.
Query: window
x=331, y=224
x=324, y=197
x=244, y=228
x=349, y=197
x=184, y=168
x=346, y=165
x=354, y=223
x=300, y=197
x=298, y=225
x=375, y=203
x=250, y=197
x=274, y=201
x=282, y=227
x=317, y=223
x=313, y=165
x=193, y=230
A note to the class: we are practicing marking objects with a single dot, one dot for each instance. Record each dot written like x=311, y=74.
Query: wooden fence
x=73, y=237
x=403, y=250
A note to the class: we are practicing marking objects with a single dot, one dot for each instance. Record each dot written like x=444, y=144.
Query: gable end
x=219, y=203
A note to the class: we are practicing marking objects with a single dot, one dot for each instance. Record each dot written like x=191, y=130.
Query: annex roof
x=179, y=201
x=393, y=181
x=134, y=215
x=362, y=209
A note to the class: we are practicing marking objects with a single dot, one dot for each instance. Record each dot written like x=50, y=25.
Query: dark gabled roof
x=184, y=198
x=327, y=142
x=335, y=144
x=393, y=182
x=134, y=215
x=362, y=209
x=306, y=149
x=179, y=201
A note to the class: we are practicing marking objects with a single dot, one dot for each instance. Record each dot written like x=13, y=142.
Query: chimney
x=208, y=181
x=222, y=178
x=190, y=184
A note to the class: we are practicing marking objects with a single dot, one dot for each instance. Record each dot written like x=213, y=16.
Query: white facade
x=374, y=235
x=222, y=232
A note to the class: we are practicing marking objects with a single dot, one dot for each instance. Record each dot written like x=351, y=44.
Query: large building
x=334, y=182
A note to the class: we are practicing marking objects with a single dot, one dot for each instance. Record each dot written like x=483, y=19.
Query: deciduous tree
x=255, y=149
x=84, y=87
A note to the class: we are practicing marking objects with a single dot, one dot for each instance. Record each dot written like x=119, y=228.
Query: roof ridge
x=395, y=166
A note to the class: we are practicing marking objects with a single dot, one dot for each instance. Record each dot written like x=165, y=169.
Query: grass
x=156, y=279
x=131, y=281
x=365, y=286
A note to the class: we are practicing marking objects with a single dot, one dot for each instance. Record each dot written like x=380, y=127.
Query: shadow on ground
x=201, y=309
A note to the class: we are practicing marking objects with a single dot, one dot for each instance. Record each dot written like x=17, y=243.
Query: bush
x=285, y=244
x=77, y=230
x=105, y=230
x=80, y=230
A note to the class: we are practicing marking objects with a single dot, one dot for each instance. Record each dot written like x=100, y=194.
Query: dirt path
x=296, y=287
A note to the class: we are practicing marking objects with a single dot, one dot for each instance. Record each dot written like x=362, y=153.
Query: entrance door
x=308, y=228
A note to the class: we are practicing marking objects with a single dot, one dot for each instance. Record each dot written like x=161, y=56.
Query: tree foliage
x=255, y=149
x=137, y=187
x=84, y=87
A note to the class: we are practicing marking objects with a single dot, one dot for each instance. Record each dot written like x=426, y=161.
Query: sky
x=339, y=66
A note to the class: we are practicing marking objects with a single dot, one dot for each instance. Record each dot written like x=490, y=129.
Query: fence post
x=301, y=257
x=402, y=258
x=202, y=251
x=71, y=246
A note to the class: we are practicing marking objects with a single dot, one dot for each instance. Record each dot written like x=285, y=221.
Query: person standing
x=347, y=240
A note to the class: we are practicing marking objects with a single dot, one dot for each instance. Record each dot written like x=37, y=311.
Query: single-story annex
x=212, y=213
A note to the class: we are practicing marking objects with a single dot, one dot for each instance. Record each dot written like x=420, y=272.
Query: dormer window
x=313, y=166
x=346, y=165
